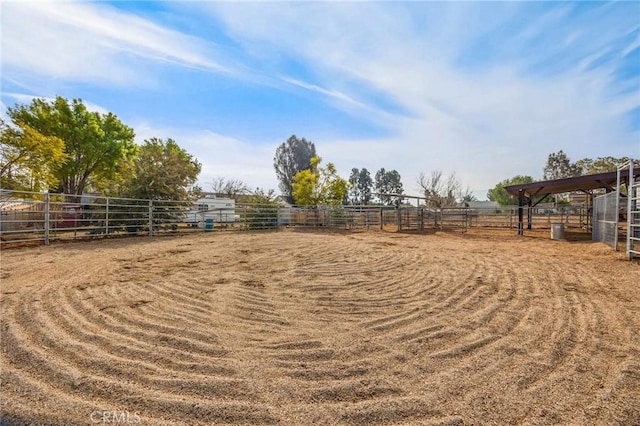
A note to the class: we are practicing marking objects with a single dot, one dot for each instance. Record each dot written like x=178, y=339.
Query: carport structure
x=526, y=192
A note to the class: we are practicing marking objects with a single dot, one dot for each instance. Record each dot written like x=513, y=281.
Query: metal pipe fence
x=30, y=217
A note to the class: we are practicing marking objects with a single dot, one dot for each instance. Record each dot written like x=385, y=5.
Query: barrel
x=557, y=231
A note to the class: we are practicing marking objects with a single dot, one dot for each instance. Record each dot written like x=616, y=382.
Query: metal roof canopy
x=581, y=183
x=526, y=191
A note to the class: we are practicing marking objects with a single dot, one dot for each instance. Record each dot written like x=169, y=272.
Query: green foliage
x=361, y=186
x=388, y=182
x=163, y=171
x=317, y=185
x=587, y=166
x=559, y=166
x=260, y=196
x=98, y=146
x=501, y=196
x=262, y=211
x=28, y=159
x=291, y=157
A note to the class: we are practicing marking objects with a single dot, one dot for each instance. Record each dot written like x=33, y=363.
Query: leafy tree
x=164, y=171
x=260, y=196
x=28, y=159
x=315, y=186
x=587, y=166
x=353, y=197
x=291, y=157
x=262, y=210
x=559, y=166
x=98, y=146
x=501, y=196
x=361, y=186
x=388, y=182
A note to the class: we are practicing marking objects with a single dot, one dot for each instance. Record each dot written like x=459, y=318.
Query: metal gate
x=633, y=211
x=605, y=219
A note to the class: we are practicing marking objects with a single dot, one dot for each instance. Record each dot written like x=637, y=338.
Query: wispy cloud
x=468, y=117
x=89, y=42
x=220, y=155
x=487, y=90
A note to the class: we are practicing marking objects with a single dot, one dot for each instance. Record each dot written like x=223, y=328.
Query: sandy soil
x=320, y=328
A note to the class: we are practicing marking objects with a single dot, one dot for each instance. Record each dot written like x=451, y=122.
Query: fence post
x=520, y=212
x=150, y=218
x=106, y=218
x=47, y=205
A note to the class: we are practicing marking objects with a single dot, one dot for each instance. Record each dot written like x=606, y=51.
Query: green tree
x=587, y=166
x=262, y=209
x=388, y=182
x=317, y=185
x=260, y=196
x=28, y=159
x=559, y=166
x=163, y=171
x=501, y=196
x=291, y=157
x=98, y=146
x=361, y=186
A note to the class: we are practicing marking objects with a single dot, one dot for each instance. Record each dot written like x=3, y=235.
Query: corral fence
x=34, y=217
x=505, y=217
x=617, y=212
x=633, y=208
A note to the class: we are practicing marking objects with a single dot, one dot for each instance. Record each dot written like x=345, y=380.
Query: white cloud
x=488, y=125
x=92, y=42
x=488, y=122
x=220, y=155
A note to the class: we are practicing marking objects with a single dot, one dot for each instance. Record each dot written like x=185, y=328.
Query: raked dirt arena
x=301, y=328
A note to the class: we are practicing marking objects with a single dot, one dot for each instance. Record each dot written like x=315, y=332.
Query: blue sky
x=483, y=89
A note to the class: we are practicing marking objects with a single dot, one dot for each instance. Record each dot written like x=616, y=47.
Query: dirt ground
x=320, y=328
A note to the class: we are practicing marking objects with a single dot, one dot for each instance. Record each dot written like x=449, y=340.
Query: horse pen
x=317, y=325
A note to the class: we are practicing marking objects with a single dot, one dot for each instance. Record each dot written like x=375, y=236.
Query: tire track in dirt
x=300, y=328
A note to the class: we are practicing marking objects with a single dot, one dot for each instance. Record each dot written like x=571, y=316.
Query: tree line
x=61, y=146
x=558, y=166
x=302, y=181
